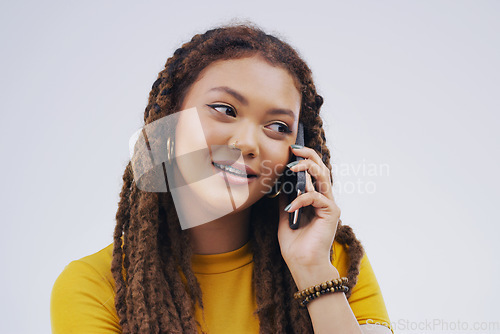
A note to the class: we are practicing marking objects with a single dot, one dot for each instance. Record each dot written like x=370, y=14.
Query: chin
x=208, y=199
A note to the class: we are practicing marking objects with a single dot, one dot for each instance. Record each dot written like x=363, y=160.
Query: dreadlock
x=151, y=252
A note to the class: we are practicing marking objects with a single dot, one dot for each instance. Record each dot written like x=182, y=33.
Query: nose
x=245, y=139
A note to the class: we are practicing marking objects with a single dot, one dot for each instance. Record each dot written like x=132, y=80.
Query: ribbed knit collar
x=223, y=262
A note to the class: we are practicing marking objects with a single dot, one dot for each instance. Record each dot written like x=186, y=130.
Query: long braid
x=276, y=265
x=122, y=217
x=262, y=276
x=185, y=310
x=278, y=296
x=131, y=236
x=346, y=236
x=170, y=317
x=300, y=316
x=156, y=252
x=149, y=234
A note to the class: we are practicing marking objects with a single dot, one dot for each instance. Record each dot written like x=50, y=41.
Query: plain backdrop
x=411, y=113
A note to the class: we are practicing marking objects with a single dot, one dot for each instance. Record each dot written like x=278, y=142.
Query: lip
x=241, y=167
x=232, y=178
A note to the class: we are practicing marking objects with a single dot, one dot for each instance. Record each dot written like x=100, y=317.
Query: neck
x=221, y=235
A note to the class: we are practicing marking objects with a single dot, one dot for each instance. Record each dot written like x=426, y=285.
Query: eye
x=229, y=111
x=281, y=127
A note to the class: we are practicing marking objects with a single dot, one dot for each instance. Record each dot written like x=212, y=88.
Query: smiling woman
x=238, y=95
x=248, y=101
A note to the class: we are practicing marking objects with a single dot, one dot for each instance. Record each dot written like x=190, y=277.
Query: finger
x=309, y=153
x=323, y=184
x=316, y=200
x=309, y=184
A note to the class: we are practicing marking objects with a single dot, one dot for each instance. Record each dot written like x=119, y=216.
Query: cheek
x=275, y=163
x=189, y=133
x=215, y=133
x=190, y=146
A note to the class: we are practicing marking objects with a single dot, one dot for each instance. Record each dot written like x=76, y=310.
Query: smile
x=232, y=170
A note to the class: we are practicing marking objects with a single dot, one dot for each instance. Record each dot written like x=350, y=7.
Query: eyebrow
x=244, y=101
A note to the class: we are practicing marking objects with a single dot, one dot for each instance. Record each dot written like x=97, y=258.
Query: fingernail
x=296, y=146
x=291, y=164
x=288, y=207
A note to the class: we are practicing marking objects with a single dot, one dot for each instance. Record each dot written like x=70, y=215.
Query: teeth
x=230, y=169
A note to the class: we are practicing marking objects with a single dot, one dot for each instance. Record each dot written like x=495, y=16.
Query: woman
x=181, y=261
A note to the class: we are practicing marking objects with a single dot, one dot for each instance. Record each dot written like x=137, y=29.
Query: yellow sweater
x=82, y=299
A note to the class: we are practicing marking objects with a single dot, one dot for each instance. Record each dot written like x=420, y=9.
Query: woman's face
x=247, y=101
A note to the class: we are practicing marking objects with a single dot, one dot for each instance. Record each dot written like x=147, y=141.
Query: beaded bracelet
x=335, y=285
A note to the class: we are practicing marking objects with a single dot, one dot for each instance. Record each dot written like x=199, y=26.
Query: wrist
x=306, y=277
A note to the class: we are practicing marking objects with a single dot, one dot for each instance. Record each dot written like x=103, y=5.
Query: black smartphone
x=298, y=182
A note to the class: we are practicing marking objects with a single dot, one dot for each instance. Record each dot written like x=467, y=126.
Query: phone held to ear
x=298, y=180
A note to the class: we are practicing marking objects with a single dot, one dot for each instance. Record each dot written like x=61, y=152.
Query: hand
x=309, y=246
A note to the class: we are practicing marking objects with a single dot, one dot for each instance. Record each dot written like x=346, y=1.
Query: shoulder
x=94, y=267
x=100, y=262
x=83, y=294
x=341, y=260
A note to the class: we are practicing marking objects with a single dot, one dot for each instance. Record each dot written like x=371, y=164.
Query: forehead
x=251, y=75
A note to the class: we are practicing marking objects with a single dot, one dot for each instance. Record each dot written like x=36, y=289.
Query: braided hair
x=152, y=254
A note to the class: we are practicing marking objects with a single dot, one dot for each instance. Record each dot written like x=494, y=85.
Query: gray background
x=410, y=85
